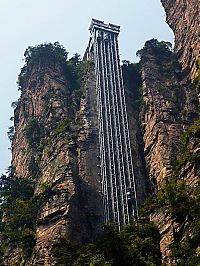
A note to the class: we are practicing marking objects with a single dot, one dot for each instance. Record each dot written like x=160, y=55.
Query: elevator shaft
x=116, y=163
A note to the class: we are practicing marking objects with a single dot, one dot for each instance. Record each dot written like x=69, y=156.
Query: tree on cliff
x=136, y=245
x=18, y=212
x=47, y=53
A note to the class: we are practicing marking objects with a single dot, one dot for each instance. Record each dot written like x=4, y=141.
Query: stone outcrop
x=59, y=152
x=183, y=18
x=56, y=146
x=56, y=139
x=161, y=117
x=168, y=108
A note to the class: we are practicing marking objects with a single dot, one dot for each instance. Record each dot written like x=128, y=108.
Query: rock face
x=160, y=115
x=56, y=146
x=162, y=124
x=170, y=106
x=58, y=151
x=183, y=18
x=56, y=137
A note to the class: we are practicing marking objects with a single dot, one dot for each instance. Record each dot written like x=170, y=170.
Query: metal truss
x=116, y=163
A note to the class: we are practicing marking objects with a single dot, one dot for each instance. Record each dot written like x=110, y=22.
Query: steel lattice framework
x=116, y=164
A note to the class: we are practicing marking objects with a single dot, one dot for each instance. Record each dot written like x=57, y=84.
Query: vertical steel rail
x=126, y=131
x=116, y=165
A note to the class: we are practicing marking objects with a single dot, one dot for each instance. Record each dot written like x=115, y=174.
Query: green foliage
x=11, y=187
x=140, y=100
x=34, y=132
x=11, y=133
x=183, y=203
x=48, y=51
x=51, y=55
x=194, y=129
x=163, y=56
x=48, y=150
x=131, y=73
x=3, y=248
x=33, y=167
x=176, y=196
x=15, y=104
x=197, y=78
x=91, y=255
x=137, y=244
x=62, y=126
x=65, y=252
x=191, y=135
x=76, y=72
x=132, y=81
x=78, y=93
x=18, y=212
x=159, y=48
x=44, y=53
x=44, y=188
x=185, y=251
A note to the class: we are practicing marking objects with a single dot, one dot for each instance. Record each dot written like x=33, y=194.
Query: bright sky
x=26, y=23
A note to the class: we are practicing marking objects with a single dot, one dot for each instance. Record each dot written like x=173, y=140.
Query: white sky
x=26, y=23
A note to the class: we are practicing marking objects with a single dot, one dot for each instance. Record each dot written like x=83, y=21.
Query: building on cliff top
x=116, y=163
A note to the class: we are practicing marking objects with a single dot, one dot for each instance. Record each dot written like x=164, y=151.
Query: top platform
x=100, y=25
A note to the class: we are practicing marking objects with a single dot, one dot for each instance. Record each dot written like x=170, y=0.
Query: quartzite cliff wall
x=183, y=18
x=161, y=118
x=55, y=147
x=170, y=107
x=62, y=152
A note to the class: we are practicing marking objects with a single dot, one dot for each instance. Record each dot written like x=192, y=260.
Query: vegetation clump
x=11, y=133
x=62, y=126
x=133, y=82
x=49, y=54
x=18, y=213
x=197, y=78
x=189, y=140
x=161, y=48
x=163, y=55
x=34, y=132
x=41, y=54
x=182, y=202
x=137, y=244
x=77, y=70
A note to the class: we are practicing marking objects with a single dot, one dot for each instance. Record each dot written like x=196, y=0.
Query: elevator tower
x=116, y=163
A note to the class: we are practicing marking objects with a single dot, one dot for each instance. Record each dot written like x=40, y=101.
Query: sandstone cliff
x=56, y=147
x=169, y=106
x=183, y=18
x=55, y=143
x=180, y=110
